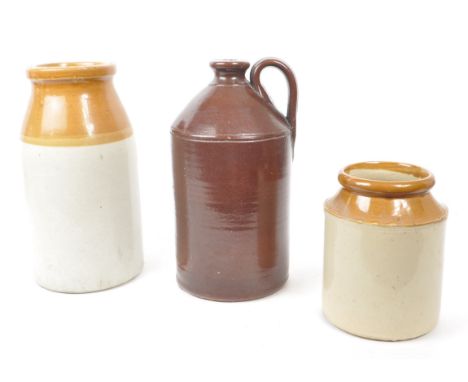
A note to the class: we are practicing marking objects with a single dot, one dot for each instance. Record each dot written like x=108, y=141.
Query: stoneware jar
x=384, y=238
x=81, y=180
x=232, y=153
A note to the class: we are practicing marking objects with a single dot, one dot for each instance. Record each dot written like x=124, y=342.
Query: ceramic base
x=265, y=293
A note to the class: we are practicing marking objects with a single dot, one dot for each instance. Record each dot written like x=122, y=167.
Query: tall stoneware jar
x=232, y=153
x=384, y=238
x=81, y=179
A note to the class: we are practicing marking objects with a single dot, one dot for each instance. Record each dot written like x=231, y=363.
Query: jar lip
x=71, y=70
x=387, y=179
x=230, y=64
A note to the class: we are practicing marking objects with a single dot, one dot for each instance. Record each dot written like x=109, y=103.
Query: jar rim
x=387, y=179
x=71, y=70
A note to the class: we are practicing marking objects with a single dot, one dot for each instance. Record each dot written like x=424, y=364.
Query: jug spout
x=229, y=72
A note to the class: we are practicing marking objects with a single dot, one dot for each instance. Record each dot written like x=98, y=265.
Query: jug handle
x=292, y=99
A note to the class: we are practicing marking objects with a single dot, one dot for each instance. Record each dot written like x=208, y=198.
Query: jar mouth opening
x=388, y=179
x=71, y=70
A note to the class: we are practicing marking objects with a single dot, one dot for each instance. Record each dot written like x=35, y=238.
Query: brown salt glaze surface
x=74, y=104
x=232, y=153
x=386, y=193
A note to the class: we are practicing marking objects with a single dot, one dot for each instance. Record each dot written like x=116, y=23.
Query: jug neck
x=229, y=72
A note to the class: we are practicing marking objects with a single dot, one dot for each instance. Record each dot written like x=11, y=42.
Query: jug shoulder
x=230, y=113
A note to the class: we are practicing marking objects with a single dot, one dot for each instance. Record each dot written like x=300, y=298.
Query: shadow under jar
x=384, y=238
x=232, y=154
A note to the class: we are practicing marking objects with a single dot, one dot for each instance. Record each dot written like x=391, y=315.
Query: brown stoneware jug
x=232, y=153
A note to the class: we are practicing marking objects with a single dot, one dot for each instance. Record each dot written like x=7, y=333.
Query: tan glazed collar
x=74, y=104
x=386, y=193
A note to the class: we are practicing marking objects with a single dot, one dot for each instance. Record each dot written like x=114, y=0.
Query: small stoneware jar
x=384, y=238
x=81, y=181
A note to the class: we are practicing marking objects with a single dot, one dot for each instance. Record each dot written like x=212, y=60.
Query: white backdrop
x=378, y=80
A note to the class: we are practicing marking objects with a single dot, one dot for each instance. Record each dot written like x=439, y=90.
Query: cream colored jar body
x=85, y=208
x=382, y=282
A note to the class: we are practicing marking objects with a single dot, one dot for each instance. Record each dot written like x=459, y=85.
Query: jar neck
x=72, y=77
x=229, y=72
x=75, y=85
